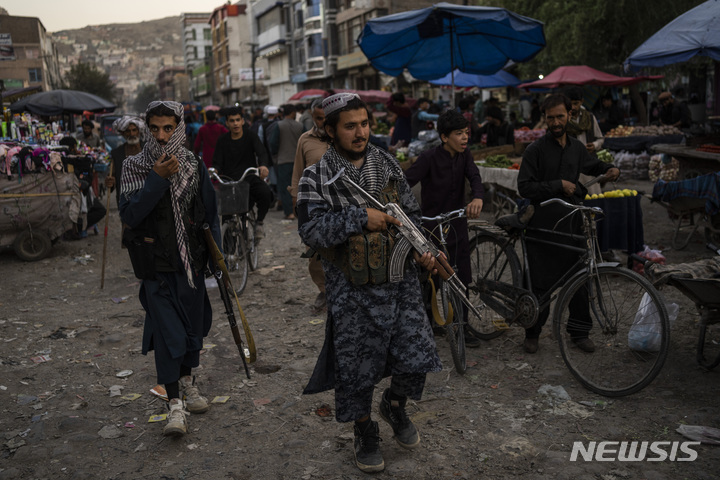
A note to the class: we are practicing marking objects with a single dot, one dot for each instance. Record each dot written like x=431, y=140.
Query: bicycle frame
x=587, y=263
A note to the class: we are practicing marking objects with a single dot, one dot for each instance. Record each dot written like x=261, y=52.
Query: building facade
x=170, y=88
x=233, y=56
x=28, y=56
x=197, y=55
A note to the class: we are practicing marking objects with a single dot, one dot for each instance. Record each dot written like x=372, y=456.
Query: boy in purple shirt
x=441, y=172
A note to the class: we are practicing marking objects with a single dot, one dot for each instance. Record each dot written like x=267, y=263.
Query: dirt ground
x=61, y=418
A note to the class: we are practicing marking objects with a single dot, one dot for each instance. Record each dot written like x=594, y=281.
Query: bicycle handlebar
x=250, y=171
x=562, y=202
x=445, y=217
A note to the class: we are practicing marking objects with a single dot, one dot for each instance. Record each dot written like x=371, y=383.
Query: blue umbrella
x=461, y=79
x=695, y=32
x=434, y=41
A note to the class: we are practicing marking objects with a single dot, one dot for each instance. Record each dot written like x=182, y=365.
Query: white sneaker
x=177, y=421
x=194, y=402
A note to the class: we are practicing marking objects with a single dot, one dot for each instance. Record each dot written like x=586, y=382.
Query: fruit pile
x=652, y=130
x=709, y=147
x=612, y=194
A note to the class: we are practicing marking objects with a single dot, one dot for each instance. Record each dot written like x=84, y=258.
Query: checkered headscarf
x=377, y=170
x=184, y=184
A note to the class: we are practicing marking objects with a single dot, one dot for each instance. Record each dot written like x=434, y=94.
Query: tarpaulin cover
x=584, y=75
x=432, y=42
x=695, y=32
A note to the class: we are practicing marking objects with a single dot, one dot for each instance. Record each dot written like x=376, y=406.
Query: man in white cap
x=130, y=127
x=374, y=327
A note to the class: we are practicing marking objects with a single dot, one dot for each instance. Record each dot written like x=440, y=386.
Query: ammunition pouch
x=364, y=258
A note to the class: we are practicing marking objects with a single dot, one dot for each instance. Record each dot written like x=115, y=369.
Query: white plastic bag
x=645, y=334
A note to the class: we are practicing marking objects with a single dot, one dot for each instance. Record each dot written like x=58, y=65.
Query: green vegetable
x=497, y=161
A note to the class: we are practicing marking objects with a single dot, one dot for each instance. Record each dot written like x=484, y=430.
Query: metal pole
x=253, y=46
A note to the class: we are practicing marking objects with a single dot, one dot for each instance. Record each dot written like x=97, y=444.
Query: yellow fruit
x=627, y=192
x=594, y=196
x=587, y=197
x=602, y=195
x=634, y=192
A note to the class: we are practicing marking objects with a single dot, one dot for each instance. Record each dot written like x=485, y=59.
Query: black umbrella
x=57, y=102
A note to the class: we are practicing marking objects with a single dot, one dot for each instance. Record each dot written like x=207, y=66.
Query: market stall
x=37, y=210
x=693, y=160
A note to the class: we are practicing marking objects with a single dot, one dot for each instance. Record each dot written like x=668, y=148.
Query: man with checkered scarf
x=374, y=328
x=166, y=197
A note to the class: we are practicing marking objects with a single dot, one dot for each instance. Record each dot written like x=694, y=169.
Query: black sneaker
x=406, y=434
x=367, y=448
x=471, y=341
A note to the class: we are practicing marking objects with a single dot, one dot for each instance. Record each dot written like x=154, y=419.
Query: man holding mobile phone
x=166, y=197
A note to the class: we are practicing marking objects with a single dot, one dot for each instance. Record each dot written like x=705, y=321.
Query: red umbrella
x=584, y=75
x=309, y=94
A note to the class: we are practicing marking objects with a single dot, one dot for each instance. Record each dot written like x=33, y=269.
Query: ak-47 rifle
x=223, y=280
x=410, y=238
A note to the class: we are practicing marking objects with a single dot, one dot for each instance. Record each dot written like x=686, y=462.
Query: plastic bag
x=649, y=254
x=645, y=334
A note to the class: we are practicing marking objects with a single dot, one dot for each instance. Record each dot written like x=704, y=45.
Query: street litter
x=120, y=299
x=267, y=270
x=84, y=259
x=110, y=431
x=116, y=390
x=323, y=410
x=699, y=433
x=131, y=397
x=159, y=391
x=555, y=394
x=221, y=399
x=40, y=359
x=157, y=418
x=124, y=373
x=316, y=321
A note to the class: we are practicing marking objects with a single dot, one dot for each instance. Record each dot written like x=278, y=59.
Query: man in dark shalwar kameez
x=166, y=197
x=375, y=328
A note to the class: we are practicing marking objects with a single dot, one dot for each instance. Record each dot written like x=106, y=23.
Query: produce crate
x=482, y=153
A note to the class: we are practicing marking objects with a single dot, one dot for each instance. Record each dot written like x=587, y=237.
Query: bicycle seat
x=516, y=221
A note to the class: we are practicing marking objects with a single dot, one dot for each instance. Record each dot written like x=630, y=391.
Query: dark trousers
x=260, y=195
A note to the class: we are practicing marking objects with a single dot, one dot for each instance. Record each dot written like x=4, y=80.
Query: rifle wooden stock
x=225, y=287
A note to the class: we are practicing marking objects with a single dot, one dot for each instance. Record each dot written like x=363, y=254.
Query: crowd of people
x=375, y=328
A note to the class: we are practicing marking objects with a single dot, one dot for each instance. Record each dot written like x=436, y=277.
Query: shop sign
x=247, y=74
x=7, y=51
x=350, y=60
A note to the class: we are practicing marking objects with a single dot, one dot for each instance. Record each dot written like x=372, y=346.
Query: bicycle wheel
x=251, y=242
x=490, y=259
x=235, y=256
x=629, y=327
x=448, y=302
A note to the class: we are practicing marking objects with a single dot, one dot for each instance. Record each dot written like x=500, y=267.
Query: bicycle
x=238, y=226
x=616, y=298
x=445, y=303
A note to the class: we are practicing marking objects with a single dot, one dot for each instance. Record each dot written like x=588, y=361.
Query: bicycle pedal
x=501, y=324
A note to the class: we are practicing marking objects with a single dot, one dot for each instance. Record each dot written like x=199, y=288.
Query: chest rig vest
x=365, y=258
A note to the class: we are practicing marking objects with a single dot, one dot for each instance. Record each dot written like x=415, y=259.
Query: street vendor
x=551, y=168
x=583, y=125
x=676, y=114
x=374, y=327
x=87, y=136
x=166, y=197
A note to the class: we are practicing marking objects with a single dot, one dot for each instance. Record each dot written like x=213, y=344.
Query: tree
x=600, y=34
x=145, y=95
x=87, y=78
